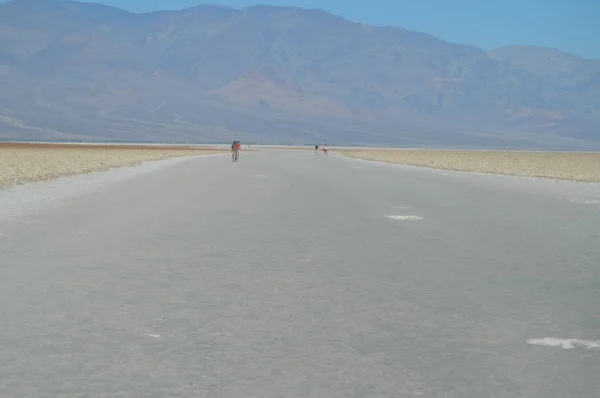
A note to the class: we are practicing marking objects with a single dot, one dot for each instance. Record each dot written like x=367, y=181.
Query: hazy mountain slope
x=276, y=74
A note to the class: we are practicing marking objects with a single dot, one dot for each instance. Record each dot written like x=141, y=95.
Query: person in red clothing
x=236, y=147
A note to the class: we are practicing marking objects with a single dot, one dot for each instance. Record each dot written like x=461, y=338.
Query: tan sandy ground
x=21, y=163
x=579, y=166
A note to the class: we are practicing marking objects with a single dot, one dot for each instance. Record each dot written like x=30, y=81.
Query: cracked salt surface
x=36, y=196
x=565, y=343
x=404, y=217
x=586, y=201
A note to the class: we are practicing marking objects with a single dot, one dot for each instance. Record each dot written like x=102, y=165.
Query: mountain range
x=81, y=71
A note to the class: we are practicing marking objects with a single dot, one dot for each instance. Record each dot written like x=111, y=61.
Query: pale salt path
x=290, y=275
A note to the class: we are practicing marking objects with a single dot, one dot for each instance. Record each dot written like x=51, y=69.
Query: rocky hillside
x=281, y=75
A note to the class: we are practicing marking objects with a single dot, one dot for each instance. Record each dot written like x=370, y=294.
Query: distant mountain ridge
x=77, y=70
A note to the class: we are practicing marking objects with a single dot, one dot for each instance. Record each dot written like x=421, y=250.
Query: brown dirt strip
x=23, y=162
x=578, y=166
x=99, y=146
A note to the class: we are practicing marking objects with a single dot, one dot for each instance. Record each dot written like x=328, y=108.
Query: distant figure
x=235, y=150
x=325, y=149
x=316, y=150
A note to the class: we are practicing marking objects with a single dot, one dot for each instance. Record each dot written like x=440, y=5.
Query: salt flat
x=288, y=274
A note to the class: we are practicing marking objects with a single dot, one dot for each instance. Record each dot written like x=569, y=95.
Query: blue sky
x=569, y=25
